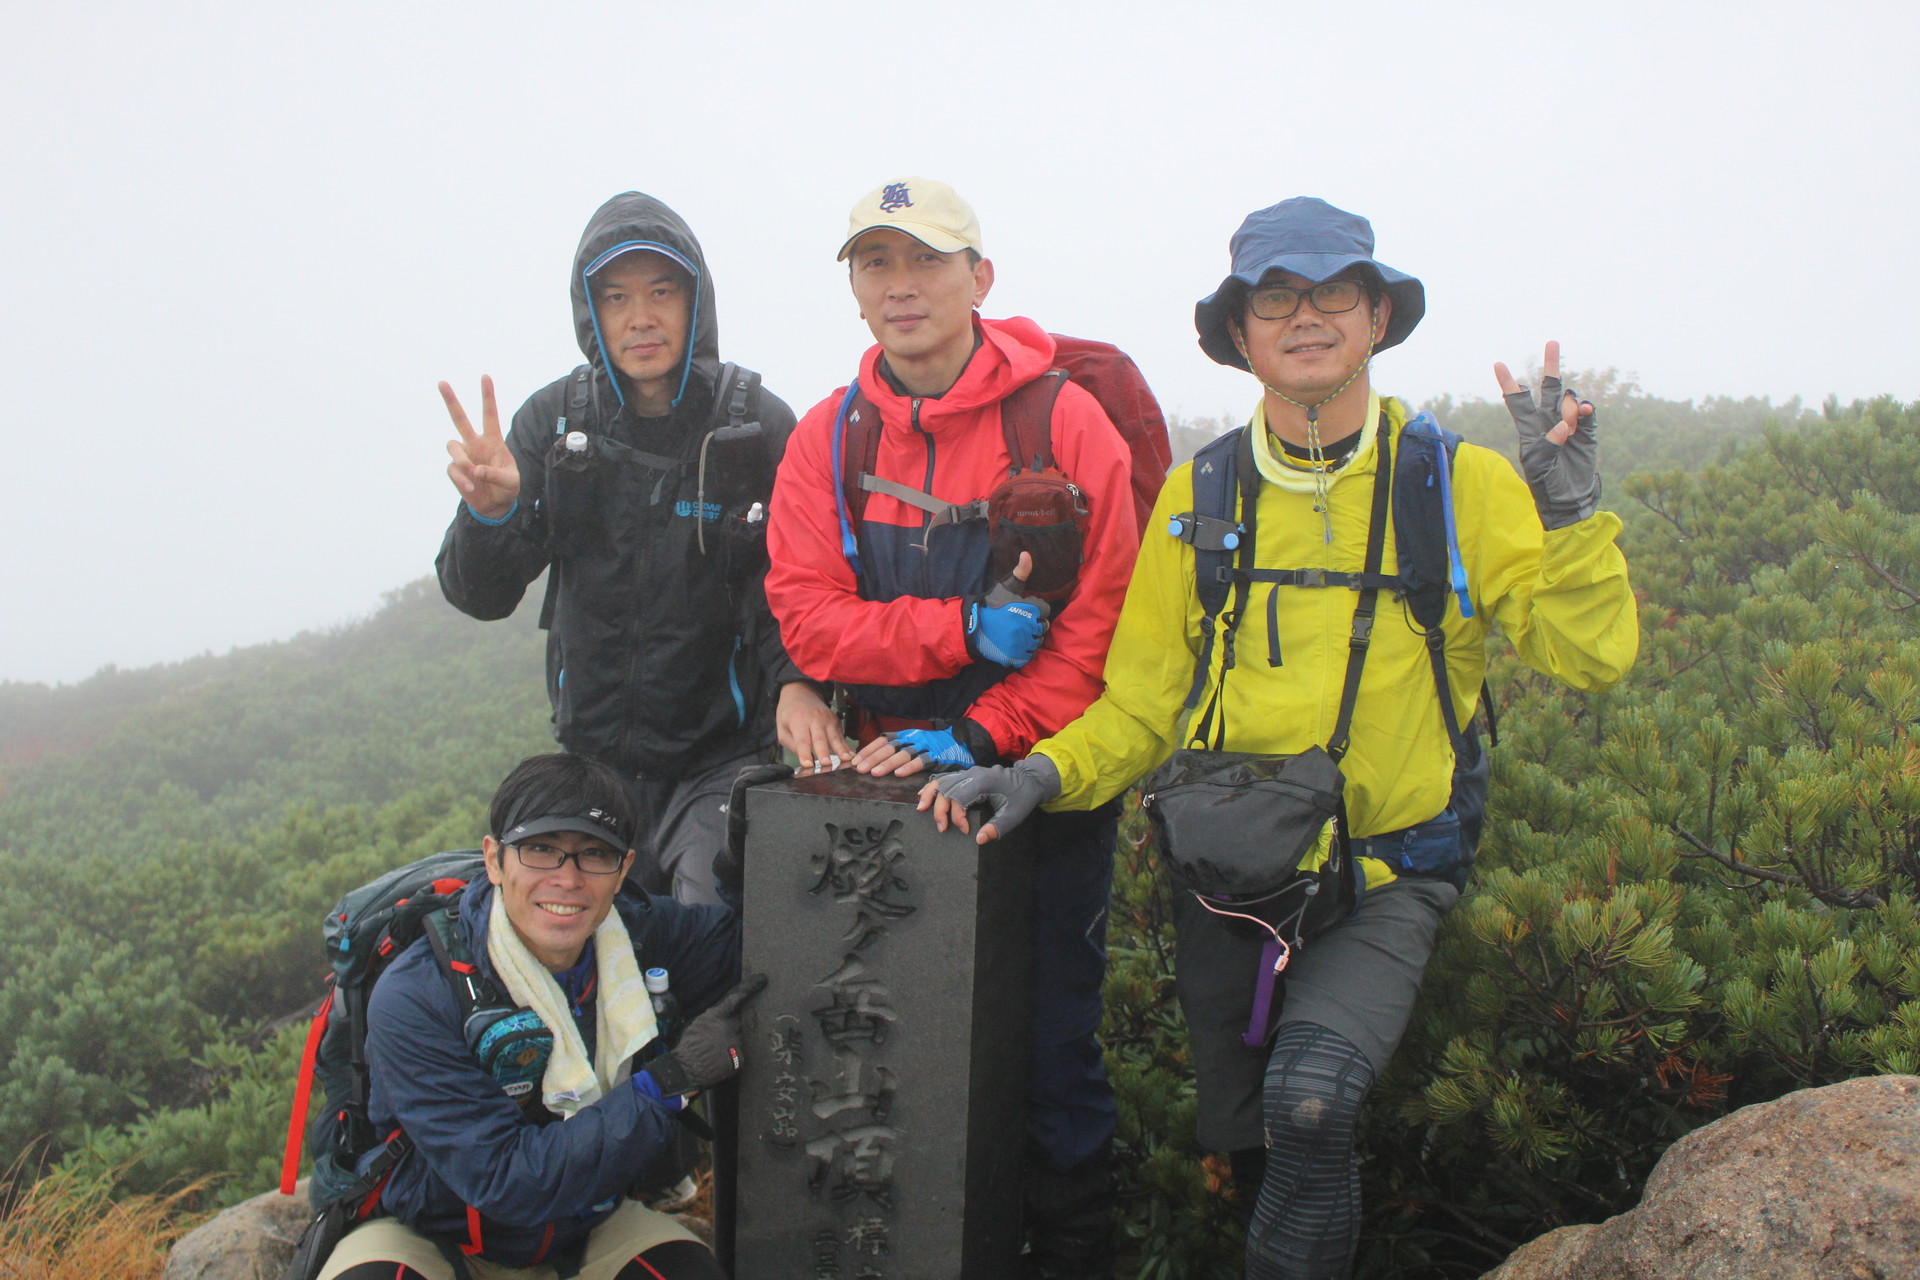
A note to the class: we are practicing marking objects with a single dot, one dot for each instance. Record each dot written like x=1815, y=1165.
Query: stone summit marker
x=883, y=1103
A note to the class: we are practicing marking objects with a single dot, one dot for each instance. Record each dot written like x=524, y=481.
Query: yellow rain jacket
x=1561, y=597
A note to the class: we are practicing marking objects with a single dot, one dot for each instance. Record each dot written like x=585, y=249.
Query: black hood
x=634, y=220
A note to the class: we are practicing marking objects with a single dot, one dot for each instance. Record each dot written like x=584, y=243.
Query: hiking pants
x=1070, y=1108
x=635, y=1242
x=683, y=824
x=1348, y=996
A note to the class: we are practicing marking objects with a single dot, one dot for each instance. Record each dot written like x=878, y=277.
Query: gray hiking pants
x=683, y=824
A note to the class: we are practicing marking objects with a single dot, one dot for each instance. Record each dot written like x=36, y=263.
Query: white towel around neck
x=623, y=1011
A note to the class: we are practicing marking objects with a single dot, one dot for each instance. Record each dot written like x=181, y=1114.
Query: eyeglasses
x=1330, y=297
x=597, y=861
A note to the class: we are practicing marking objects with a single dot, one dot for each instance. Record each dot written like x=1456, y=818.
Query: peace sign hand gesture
x=1559, y=453
x=483, y=468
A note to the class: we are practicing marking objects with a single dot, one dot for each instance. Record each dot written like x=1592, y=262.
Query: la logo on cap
x=894, y=196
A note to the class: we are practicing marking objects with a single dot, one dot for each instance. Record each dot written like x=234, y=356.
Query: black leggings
x=674, y=1260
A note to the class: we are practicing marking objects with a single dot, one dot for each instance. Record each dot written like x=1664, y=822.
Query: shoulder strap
x=858, y=417
x=1227, y=571
x=1424, y=528
x=730, y=392
x=1026, y=420
x=575, y=402
x=1360, y=637
x=471, y=990
x=1214, y=534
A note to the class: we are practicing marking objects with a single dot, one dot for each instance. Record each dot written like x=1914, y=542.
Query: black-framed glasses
x=1329, y=297
x=596, y=861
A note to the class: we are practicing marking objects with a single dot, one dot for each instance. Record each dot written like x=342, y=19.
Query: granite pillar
x=883, y=1100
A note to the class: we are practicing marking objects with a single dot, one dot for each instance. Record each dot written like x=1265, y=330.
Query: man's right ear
x=1239, y=337
x=492, y=852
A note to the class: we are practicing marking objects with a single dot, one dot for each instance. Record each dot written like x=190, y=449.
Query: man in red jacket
x=896, y=601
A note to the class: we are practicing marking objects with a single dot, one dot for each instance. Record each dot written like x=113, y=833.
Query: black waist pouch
x=1233, y=828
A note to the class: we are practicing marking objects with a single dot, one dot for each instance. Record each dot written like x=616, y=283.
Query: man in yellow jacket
x=1305, y=308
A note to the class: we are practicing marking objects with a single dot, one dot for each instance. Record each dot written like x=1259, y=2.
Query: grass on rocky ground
x=67, y=1228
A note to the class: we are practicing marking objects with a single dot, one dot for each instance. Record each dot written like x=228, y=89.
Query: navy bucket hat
x=1310, y=238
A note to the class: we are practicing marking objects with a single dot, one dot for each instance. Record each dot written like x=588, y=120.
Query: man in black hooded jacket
x=642, y=480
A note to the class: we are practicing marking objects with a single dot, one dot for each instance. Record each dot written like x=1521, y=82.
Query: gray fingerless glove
x=1013, y=790
x=1565, y=478
x=709, y=1049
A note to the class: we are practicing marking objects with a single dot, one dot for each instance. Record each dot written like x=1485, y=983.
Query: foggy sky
x=242, y=242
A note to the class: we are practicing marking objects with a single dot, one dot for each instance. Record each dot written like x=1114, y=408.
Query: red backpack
x=1037, y=509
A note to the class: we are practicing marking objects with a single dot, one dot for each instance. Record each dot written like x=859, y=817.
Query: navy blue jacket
x=539, y=1188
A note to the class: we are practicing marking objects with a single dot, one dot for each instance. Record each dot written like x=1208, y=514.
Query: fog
x=242, y=242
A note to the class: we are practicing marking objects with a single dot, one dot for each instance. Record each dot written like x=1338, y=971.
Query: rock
x=254, y=1240
x=1823, y=1184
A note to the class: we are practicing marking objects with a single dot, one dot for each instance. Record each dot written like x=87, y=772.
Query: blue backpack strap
x=1215, y=535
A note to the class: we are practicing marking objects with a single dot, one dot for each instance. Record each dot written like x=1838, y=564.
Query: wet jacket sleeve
x=1561, y=596
x=484, y=568
x=777, y=420
x=471, y=1135
x=1133, y=725
x=831, y=633
x=1066, y=674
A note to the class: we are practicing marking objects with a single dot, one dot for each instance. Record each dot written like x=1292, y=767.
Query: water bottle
x=666, y=1005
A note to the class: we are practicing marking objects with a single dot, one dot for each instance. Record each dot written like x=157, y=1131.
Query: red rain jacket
x=900, y=643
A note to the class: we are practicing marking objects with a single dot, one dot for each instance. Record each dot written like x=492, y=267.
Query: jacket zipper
x=926, y=518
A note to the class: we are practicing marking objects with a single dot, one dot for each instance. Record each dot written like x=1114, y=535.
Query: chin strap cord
x=1316, y=457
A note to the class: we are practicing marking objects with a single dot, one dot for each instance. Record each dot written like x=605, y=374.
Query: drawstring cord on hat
x=1316, y=457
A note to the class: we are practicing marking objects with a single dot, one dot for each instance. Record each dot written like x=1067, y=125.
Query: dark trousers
x=1070, y=1107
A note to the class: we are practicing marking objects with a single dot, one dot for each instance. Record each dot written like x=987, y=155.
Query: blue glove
x=1008, y=634
x=938, y=746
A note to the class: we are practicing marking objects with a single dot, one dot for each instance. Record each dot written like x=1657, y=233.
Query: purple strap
x=1272, y=961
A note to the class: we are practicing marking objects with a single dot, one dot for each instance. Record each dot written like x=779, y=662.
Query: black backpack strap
x=575, y=401
x=1213, y=532
x=576, y=406
x=1422, y=519
x=1232, y=581
x=1360, y=637
x=471, y=988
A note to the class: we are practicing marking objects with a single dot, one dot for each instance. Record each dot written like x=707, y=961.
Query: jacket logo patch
x=709, y=511
x=895, y=197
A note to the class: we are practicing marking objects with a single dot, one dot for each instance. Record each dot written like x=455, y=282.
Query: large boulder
x=254, y=1240
x=1823, y=1184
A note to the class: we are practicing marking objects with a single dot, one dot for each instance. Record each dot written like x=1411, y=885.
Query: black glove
x=729, y=865
x=1014, y=790
x=709, y=1049
x=1565, y=478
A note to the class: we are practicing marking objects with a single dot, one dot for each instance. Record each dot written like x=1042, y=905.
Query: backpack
x=364, y=933
x=1427, y=545
x=1037, y=508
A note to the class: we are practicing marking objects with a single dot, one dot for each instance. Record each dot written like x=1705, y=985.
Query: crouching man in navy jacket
x=527, y=1134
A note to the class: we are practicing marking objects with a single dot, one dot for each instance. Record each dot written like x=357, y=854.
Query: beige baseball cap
x=931, y=212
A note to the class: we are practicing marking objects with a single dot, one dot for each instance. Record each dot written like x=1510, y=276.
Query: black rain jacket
x=662, y=658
